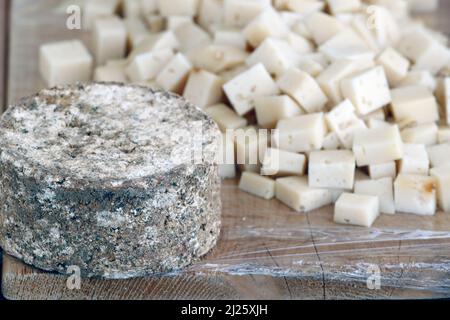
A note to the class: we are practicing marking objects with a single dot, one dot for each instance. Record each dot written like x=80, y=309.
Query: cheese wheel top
x=105, y=132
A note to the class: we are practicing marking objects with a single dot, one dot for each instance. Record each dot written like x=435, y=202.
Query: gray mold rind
x=110, y=224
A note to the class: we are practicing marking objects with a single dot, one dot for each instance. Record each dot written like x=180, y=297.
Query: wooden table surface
x=266, y=250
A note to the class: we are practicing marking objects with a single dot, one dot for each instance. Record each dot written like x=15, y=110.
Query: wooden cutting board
x=266, y=250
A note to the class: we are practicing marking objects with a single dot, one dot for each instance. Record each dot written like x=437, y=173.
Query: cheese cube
x=443, y=95
x=311, y=67
x=376, y=115
x=93, y=9
x=136, y=32
x=203, y=88
x=442, y=176
x=395, y=65
x=304, y=89
x=242, y=90
x=334, y=169
x=415, y=194
x=331, y=141
x=191, y=36
x=340, y=6
x=146, y=66
x=301, y=133
x=109, y=39
x=226, y=157
x=439, y=154
x=419, y=78
x=356, y=209
x=271, y=109
x=381, y=188
x=65, y=62
x=295, y=193
x=416, y=103
x=110, y=74
x=267, y=24
x=364, y=31
x=178, y=7
x=304, y=7
x=131, y=8
x=323, y=27
x=300, y=44
x=173, y=22
x=230, y=38
x=377, y=146
x=153, y=42
x=276, y=55
x=225, y=117
x=217, y=58
x=368, y=91
x=155, y=23
x=257, y=185
x=343, y=121
x=210, y=14
x=238, y=13
x=174, y=75
x=251, y=145
x=426, y=52
x=283, y=163
x=415, y=160
x=444, y=135
x=375, y=123
x=426, y=134
x=383, y=170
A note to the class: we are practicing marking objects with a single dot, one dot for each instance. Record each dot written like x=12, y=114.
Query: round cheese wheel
x=118, y=180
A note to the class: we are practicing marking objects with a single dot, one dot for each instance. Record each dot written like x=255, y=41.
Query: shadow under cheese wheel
x=102, y=177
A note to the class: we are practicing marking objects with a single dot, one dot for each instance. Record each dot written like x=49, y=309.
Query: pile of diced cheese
x=320, y=102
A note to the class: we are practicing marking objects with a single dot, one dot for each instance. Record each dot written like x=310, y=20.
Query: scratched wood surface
x=266, y=251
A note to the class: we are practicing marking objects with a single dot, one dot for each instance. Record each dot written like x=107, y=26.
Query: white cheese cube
x=271, y=109
x=336, y=194
x=238, y=13
x=230, y=38
x=155, y=23
x=146, y=66
x=300, y=44
x=382, y=188
x=210, y=14
x=295, y=193
x=331, y=141
x=257, y=185
x=283, y=163
x=191, y=36
x=415, y=194
x=368, y=91
x=334, y=169
x=65, y=62
x=276, y=55
x=109, y=39
x=419, y=78
x=301, y=133
x=343, y=121
x=110, y=74
x=242, y=90
x=203, y=88
x=178, y=7
x=439, y=154
x=267, y=24
x=364, y=30
x=304, y=7
x=304, y=89
x=416, y=103
x=137, y=32
x=383, y=170
x=415, y=160
x=356, y=209
x=395, y=65
x=340, y=6
x=444, y=135
x=323, y=27
x=377, y=146
x=426, y=134
x=251, y=146
x=174, y=75
x=225, y=117
x=442, y=176
x=94, y=9
x=131, y=8
x=217, y=58
x=443, y=95
x=174, y=22
x=424, y=50
x=376, y=115
x=310, y=66
x=153, y=42
x=226, y=157
x=375, y=123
